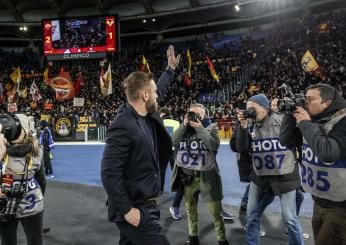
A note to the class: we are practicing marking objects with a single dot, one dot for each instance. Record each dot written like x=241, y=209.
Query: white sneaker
x=306, y=236
x=262, y=232
x=175, y=213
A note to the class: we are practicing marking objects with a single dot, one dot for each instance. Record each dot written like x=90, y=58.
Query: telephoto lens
x=288, y=106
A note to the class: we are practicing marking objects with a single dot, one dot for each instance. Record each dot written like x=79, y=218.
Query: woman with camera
x=21, y=196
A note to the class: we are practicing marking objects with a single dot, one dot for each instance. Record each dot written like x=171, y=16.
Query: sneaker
x=306, y=236
x=227, y=216
x=262, y=232
x=51, y=176
x=225, y=242
x=175, y=213
x=46, y=230
x=192, y=240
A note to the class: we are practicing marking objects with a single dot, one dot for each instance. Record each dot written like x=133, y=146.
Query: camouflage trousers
x=191, y=193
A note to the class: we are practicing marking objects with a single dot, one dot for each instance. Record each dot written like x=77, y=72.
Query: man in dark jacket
x=46, y=140
x=321, y=131
x=136, y=144
x=275, y=170
x=244, y=162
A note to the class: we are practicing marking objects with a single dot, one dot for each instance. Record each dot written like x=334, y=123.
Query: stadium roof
x=172, y=17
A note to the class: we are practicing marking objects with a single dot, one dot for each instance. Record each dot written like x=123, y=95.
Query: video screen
x=80, y=35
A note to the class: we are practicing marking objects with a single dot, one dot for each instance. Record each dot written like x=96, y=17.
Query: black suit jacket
x=130, y=168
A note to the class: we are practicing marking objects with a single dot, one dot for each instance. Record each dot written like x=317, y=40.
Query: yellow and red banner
x=144, y=65
x=310, y=65
x=62, y=85
x=212, y=70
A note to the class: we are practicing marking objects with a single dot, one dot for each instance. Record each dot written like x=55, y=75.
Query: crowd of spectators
x=273, y=63
x=79, y=33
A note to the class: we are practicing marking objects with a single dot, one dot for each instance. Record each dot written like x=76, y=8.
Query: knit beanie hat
x=260, y=99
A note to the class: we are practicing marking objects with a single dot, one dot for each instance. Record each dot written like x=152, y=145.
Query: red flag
x=78, y=82
x=187, y=80
x=63, y=86
x=212, y=70
x=324, y=27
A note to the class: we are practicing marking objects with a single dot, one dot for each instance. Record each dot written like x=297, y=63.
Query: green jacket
x=211, y=185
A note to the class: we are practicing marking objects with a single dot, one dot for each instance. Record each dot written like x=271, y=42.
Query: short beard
x=151, y=107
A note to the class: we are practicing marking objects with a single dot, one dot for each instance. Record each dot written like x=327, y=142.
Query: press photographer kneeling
x=20, y=193
x=196, y=143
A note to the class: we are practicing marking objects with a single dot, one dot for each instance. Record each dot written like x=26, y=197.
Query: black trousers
x=148, y=232
x=32, y=226
x=47, y=163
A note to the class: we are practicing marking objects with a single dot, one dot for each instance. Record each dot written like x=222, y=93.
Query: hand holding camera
x=192, y=119
x=301, y=114
x=243, y=116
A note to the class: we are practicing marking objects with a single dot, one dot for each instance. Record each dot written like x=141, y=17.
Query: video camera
x=250, y=113
x=192, y=116
x=289, y=105
x=11, y=126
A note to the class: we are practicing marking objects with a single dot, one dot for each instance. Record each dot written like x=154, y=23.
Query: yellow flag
x=145, y=64
x=309, y=63
x=24, y=93
x=46, y=74
x=189, y=62
x=15, y=76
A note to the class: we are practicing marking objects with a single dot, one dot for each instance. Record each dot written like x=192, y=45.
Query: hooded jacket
x=329, y=148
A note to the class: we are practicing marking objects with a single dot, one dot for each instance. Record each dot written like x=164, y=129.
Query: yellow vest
x=171, y=125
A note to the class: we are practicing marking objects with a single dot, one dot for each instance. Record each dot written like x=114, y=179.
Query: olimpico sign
x=76, y=56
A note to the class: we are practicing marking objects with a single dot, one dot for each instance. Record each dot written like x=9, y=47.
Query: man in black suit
x=136, y=144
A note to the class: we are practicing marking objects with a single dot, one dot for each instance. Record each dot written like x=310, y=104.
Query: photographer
x=20, y=193
x=196, y=143
x=321, y=131
x=275, y=170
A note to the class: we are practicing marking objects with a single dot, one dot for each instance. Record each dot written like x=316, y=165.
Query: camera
x=250, y=113
x=8, y=210
x=192, y=116
x=289, y=105
x=11, y=126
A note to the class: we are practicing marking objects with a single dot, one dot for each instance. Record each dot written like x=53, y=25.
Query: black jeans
x=47, y=163
x=32, y=226
x=148, y=232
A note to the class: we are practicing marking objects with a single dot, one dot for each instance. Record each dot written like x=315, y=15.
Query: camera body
x=288, y=106
x=192, y=116
x=11, y=126
x=250, y=113
x=15, y=191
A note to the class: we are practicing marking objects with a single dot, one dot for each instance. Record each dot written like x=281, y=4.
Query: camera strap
x=14, y=202
x=27, y=166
